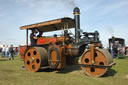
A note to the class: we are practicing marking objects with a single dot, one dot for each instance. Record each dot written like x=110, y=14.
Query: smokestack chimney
x=77, y=23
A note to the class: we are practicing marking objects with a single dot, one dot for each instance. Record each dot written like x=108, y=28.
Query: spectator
x=17, y=50
x=123, y=49
x=3, y=51
x=7, y=51
x=11, y=53
x=0, y=49
x=111, y=50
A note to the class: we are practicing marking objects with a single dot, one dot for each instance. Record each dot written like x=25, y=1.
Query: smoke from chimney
x=111, y=31
x=36, y=3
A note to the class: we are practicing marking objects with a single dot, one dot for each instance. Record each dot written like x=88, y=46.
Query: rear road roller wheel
x=53, y=56
x=35, y=58
x=101, y=57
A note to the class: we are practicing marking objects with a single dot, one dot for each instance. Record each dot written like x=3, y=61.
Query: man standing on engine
x=33, y=37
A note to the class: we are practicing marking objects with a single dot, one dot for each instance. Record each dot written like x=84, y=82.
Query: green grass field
x=12, y=73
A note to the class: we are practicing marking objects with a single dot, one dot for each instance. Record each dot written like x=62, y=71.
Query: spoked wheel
x=101, y=57
x=35, y=58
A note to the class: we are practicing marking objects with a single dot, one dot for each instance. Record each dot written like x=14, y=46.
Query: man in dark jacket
x=33, y=37
x=11, y=53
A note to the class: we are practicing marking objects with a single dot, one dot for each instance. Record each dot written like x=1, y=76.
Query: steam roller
x=59, y=51
x=96, y=62
x=35, y=58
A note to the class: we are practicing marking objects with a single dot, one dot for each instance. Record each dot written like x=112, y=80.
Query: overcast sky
x=109, y=17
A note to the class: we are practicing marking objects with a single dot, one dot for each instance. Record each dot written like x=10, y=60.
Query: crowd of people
x=7, y=51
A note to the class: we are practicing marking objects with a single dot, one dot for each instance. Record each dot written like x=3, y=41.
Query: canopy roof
x=120, y=40
x=52, y=25
x=117, y=39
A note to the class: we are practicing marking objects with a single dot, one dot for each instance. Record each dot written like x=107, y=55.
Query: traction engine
x=58, y=51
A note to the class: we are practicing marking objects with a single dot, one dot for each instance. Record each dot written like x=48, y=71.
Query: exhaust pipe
x=77, y=23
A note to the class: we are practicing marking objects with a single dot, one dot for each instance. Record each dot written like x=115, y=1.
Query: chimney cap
x=76, y=9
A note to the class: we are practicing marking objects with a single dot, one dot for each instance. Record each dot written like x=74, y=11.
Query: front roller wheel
x=35, y=58
x=101, y=57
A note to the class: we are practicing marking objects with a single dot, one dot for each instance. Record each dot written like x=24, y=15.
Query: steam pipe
x=77, y=23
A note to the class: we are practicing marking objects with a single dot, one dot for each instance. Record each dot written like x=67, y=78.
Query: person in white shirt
x=7, y=51
x=3, y=51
